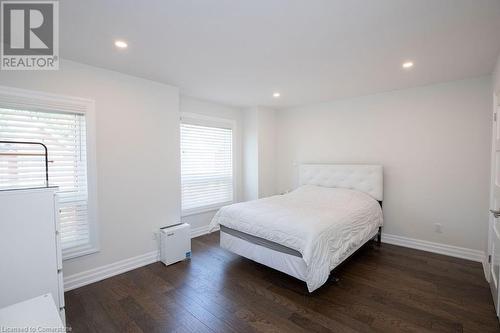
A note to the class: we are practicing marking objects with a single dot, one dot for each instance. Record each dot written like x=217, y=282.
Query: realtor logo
x=30, y=35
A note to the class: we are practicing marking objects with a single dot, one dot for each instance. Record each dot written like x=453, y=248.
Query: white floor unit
x=30, y=251
x=175, y=243
x=37, y=314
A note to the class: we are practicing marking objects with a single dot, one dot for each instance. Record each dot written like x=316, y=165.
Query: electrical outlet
x=438, y=227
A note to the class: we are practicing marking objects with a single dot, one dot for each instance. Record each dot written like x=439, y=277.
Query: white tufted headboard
x=361, y=177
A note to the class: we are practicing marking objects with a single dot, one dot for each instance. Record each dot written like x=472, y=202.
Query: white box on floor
x=175, y=243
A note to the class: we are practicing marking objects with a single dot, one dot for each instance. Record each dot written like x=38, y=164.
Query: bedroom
x=178, y=108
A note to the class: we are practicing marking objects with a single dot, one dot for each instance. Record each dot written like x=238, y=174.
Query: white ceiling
x=239, y=52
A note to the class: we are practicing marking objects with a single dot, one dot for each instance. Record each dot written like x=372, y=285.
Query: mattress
x=260, y=241
x=322, y=224
x=283, y=262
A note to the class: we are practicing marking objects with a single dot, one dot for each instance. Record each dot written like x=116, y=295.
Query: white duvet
x=321, y=223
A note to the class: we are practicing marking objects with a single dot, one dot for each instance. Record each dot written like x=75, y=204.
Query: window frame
x=209, y=121
x=22, y=99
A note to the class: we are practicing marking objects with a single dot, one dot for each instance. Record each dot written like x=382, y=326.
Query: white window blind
x=206, y=167
x=64, y=136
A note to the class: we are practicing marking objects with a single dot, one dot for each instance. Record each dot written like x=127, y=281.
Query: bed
x=309, y=231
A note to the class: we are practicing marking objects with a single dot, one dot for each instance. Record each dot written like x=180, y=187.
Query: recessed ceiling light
x=407, y=65
x=121, y=44
x=276, y=94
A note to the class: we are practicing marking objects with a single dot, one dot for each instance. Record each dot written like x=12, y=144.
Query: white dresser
x=30, y=251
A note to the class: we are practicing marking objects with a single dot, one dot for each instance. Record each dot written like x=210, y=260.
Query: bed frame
x=359, y=177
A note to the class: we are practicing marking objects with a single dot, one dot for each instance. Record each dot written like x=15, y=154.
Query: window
x=206, y=164
x=64, y=132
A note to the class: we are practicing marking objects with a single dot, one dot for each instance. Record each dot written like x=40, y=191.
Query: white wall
x=193, y=105
x=266, y=144
x=496, y=77
x=433, y=141
x=259, y=153
x=137, y=132
x=250, y=155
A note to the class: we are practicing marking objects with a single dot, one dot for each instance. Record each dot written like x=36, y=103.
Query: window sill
x=78, y=251
x=201, y=210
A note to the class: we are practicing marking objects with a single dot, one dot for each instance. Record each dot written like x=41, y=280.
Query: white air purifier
x=175, y=243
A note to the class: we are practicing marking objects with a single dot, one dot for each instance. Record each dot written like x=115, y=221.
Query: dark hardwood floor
x=381, y=289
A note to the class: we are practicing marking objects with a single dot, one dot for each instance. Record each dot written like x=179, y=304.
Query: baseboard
x=103, y=272
x=196, y=232
x=449, y=250
x=200, y=231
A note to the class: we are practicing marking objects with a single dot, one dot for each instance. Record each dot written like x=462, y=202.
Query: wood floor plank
x=381, y=289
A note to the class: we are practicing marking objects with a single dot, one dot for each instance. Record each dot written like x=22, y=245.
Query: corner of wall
x=259, y=153
x=496, y=77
